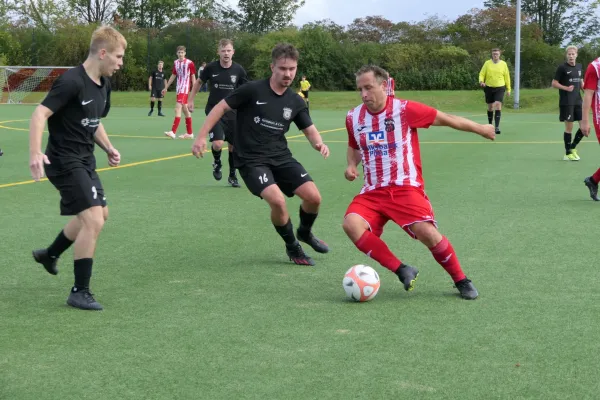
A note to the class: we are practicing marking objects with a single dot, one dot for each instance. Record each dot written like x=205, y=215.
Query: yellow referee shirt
x=495, y=74
x=304, y=85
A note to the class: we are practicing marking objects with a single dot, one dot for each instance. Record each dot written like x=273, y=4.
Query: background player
x=382, y=134
x=591, y=86
x=73, y=108
x=495, y=80
x=266, y=108
x=156, y=84
x=185, y=72
x=304, y=88
x=224, y=76
x=567, y=80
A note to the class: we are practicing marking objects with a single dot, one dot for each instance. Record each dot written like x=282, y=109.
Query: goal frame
x=16, y=93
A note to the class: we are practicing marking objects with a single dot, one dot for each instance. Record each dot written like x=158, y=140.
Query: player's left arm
x=507, y=78
x=316, y=141
x=102, y=140
x=463, y=124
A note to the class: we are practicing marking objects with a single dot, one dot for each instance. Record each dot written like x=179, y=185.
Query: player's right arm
x=195, y=88
x=199, y=146
x=37, y=159
x=353, y=156
x=150, y=83
x=171, y=79
x=556, y=81
x=482, y=74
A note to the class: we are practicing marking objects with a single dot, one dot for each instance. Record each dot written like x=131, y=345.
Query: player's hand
x=199, y=147
x=488, y=131
x=190, y=105
x=36, y=165
x=149, y=88
x=351, y=173
x=164, y=91
x=508, y=93
x=114, y=157
x=323, y=149
x=570, y=88
x=482, y=84
x=585, y=127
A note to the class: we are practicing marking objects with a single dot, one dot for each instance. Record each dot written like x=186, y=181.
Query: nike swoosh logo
x=259, y=103
x=215, y=75
x=83, y=103
x=303, y=175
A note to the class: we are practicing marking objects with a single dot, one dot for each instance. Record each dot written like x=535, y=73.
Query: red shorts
x=182, y=98
x=405, y=205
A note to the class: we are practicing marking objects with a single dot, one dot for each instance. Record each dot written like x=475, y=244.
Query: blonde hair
x=108, y=38
x=571, y=47
x=225, y=42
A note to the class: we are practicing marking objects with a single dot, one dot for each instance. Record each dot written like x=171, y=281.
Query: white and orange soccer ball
x=361, y=283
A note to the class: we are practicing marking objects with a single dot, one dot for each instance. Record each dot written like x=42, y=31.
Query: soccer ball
x=361, y=283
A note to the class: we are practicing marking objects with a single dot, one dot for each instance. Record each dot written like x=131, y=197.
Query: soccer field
x=202, y=303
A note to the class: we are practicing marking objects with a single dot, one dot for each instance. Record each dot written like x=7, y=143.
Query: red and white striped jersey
x=591, y=81
x=184, y=69
x=391, y=86
x=388, y=142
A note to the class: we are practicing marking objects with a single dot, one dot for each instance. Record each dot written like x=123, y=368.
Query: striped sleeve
x=350, y=128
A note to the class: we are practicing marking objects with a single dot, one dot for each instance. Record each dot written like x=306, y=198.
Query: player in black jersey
x=568, y=81
x=156, y=84
x=223, y=77
x=265, y=110
x=73, y=108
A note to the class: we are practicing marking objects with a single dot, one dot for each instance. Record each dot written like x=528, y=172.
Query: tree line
x=432, y=54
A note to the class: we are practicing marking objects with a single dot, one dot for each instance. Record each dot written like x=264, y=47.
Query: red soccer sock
x=596, y=176
x=176, y=122
x=376, y=248
x=444, y=254
x=188, y=125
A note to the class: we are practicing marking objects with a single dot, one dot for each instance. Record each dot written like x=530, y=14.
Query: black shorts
x=493, y=94
x=156, y=93
x=224, y=129
x=289, y=176
x=570, y=113
x=305, y=93
x=79, y=189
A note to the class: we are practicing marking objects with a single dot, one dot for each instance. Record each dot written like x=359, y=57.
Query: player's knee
x=92, y=219
x=426, y=233
x=105, y=213
x=354, y=227
x=217, y=145
x=277, y=203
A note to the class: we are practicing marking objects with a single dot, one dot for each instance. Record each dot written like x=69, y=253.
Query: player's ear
x=102, y=54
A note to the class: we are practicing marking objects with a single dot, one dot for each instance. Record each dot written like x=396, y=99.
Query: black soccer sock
x=567, y=139
x=83, y=273
x=287, y=233
x=217, y=155
x=578, y=137
x=59, y=246
x=159, y=106
x=490, y=117
x=306, y=221
x=231, y=167
x=497, y=118
x=151, y=106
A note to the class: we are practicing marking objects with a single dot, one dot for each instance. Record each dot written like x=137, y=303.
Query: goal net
x=27, y=85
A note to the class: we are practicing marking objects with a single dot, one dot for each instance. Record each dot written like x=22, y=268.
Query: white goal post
x=27, y=84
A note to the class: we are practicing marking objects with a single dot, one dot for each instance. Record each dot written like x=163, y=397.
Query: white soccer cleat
x=170, y=134
x=186, y=136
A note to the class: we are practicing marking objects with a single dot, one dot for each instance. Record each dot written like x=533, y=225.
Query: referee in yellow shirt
x=304, y=87
x=495, y=80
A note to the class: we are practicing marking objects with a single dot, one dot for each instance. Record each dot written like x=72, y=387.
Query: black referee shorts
x=79, y=189
x=289, y=176
x=494, y=94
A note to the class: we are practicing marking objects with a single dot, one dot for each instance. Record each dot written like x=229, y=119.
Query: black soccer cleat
x=408, y=276
x=41, y=256
x=233, y=181
x=593, y=187
x=466, y=289
x=317, y=244
x=297, y=255
x=497, y=131
x=217, y=174
x=160, y=114
x=83, y=299
x=150, y=113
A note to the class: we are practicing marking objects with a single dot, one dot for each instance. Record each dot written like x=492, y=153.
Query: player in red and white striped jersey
x=185, y=71
x=390, y=90
x=591, y=99
x=382, y=134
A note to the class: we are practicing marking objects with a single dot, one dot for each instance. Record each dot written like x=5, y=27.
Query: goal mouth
x=27, y=84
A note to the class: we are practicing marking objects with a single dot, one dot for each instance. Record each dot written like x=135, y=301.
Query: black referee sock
x=151, y=106
x=306, y=221
x=217, y=155
x=497, y=118
x=287, y=233
x=567, y=139
x=159, y=106
x=59, y=246
x=490, y=117
x=578, y=137
x=231, y=167
x=83, y=273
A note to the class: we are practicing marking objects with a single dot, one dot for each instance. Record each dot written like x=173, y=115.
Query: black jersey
x=263, y=118
x=567, y=75
x=158, y=79
x=78, y=104
x=222, y=81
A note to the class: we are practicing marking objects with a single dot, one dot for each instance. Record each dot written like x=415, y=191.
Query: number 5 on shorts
x=263, y=178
